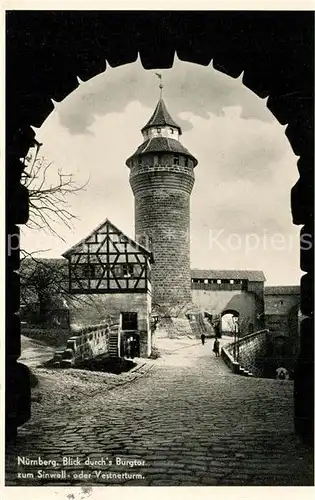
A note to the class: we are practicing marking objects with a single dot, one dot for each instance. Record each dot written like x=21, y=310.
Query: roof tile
x=161, y=117
x=282, y=290
x=162, y=144
x=227, y=274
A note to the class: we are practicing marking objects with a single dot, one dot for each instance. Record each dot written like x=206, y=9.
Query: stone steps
x=244, y=372
x=113, y=344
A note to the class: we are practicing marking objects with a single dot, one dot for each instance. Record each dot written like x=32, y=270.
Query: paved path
x=188, y=422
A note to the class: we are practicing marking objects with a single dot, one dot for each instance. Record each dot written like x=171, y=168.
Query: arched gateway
x=48, y=51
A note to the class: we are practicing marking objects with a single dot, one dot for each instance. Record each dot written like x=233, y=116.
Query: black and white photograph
x=159, y=250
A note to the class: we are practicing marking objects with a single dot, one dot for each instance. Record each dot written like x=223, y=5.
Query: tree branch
x=48, y=202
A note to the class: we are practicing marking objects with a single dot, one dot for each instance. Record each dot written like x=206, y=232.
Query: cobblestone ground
x=188, y=421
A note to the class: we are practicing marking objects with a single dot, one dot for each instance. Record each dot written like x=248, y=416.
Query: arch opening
x=278, y=81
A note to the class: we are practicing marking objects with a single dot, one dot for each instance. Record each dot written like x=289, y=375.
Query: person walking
x=216, y=328
x=203, y=338
x=132, y=347
x=216, y=347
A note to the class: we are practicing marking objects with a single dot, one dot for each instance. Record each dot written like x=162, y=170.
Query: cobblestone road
x=189, y=421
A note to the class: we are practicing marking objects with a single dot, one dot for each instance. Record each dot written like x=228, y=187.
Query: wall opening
x=229, y=322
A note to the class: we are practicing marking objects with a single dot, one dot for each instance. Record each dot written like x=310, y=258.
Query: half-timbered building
x=115, y=272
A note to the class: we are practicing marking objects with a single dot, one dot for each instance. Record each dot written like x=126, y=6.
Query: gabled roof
x=227, y=274
x=161, y=117
x=282, y=290
x=100, y=227
x=162, y=144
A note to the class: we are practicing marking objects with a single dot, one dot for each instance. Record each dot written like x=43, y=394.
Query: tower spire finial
x=161, y=83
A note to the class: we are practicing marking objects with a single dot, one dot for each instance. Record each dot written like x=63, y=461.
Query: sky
x=240, y=204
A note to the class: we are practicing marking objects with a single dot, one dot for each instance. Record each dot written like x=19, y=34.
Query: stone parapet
x=247, y=355
x=89, y=342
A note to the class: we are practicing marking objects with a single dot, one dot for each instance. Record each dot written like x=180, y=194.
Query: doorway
x=129, y=321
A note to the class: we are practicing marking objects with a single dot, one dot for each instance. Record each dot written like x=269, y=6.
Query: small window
x=219, y=282
x=89, y=271
x=186, y=162
x=176, y=160
x=172, y=131
x=206, y=281
x=158, y=130
x=155, y=160
x=281, y=302
x=127, y=270
x=232, y=282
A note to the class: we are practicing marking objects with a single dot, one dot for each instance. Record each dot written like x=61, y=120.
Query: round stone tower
x=162, y=178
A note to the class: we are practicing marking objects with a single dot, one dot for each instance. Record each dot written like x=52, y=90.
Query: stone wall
x=250, y=353
x=173, y=328
x=257, y=353
x=54, y=337
x=88, y=343
x=95, y=308
x=247, y=304
x=280, y=304
x=228, y=359
x=253, y=351
x=162, y=213
x=282, y=320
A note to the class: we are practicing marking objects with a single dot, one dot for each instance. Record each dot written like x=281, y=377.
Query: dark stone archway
x=46, y=52
x=231, y=328
x=230, y=311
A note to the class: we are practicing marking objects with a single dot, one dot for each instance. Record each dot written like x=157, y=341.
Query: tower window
x=155, y=160
x=186, y=162
x=176, y=160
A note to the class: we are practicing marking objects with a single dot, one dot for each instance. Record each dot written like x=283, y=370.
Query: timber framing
x=107, y=261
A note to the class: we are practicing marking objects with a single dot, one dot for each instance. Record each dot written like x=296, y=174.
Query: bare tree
x=49, y=202
x=44, y=287
x=44, y=282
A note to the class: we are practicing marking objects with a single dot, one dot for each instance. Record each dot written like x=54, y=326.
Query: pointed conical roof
x=162, y=144
x=161, y=117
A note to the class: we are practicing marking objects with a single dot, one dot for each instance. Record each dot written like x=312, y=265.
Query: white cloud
x=243, y=180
